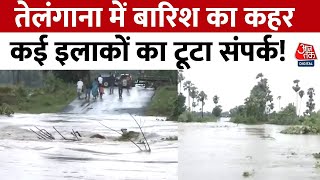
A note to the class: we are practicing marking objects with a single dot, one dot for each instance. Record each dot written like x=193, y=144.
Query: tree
x=193, y=94
x=238, y=111
x=201, y=98
x=259, y=103
x=215, y=99
x=296, y=88
x=270, y=107
x=72, y=76
x=217, y=111
x=194, y=105
x=310, y=104
x=178, y=107
x=260, y=75
x=180, y=79
x=187, y=86
x=301, y=94
x=279, y=98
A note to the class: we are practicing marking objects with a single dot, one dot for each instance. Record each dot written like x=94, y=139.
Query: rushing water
x=225, y=150
x=24, y=156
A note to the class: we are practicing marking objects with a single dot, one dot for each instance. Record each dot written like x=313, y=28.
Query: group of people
x=96, y=88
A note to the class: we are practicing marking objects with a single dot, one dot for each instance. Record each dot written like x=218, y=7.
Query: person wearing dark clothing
x=95, y=88
x=88, y=87
x=112, y=82
x=120, y=88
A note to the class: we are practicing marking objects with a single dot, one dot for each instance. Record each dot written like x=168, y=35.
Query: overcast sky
x=232, y=82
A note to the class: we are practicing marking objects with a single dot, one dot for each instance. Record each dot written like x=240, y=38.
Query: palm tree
x=201, y=98
x=193, y=94
x=180, y=79
x=260, y=75
x=279, y=98
x=194, y=105
x=301, y=94
x=215, y=100
x=310, y=102
x=296, y=88
x=187, y=86
x=270, y=107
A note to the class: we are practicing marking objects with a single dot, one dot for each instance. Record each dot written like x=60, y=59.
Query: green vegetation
x=286, y=116
x=259, y=105
x=52, y=97
x=5, y=109
x=309, y=125
x=217, y=110
x=166, y=102
x=195, y=117
x=198, y=98
x=72, y=76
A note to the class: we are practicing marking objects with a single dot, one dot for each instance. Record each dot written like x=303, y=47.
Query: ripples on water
x=225, y=150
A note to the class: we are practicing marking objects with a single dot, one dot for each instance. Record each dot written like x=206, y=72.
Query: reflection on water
x=224, y=150
x=23, y=156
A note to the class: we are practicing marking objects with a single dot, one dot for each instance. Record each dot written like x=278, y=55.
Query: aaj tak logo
x=305, y=55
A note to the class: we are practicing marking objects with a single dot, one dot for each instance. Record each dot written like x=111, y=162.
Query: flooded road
x=24, y=156
x=225, y=151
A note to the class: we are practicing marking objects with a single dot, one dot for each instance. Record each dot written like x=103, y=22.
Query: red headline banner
x=158, y=16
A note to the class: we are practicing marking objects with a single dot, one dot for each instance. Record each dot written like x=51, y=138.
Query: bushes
x=193, y=117
x=243, y=119
x=301, y=130
x=178, y=107
x=217, y=111
x=167, y=103
x=53, y=84
x=285, y=117
x=5, y=109
x=53, y=97
x=310, y=125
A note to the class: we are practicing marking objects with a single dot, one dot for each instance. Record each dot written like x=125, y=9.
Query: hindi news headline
x=163, y=15
x=147, y=51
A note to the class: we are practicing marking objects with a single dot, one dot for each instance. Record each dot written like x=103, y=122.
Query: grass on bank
x=51, y=98
x=309, y=125
x=162, y=102
x=195, y=117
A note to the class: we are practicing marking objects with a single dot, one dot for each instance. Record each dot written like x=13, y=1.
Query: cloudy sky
x=233, y=81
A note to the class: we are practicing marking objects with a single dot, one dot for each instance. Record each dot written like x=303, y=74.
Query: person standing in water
x=120, y=87
x=88, y=86
x=100, y=80
x=101, y=90
x=95, y=88
x=79, y=88
x=112, y=82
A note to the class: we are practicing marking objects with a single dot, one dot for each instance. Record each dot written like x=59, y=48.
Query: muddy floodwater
x=225, y=151
x=24, y=156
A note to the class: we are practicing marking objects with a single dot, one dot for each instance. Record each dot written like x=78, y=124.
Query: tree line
x=197, y=97
x=259, y=106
